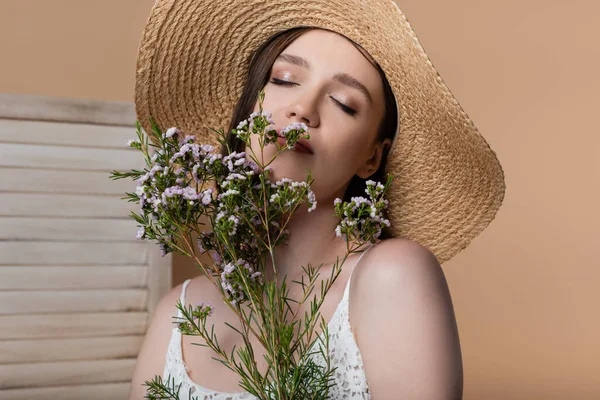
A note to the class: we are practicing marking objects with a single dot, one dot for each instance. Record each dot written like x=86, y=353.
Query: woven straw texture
x=192, y=63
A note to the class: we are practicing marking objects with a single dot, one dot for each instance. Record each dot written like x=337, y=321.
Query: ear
x=372, y=163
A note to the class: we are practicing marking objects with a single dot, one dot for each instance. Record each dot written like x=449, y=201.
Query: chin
x=288, y=165
x=278, y=172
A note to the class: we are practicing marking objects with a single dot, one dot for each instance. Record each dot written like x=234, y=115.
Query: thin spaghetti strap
x=363, y=253
x=361, y=256
x=351, y=272
x=182, y=298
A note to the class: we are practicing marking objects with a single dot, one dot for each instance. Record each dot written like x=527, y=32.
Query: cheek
x=269, y=100
x=340, y=163
x=348, y=143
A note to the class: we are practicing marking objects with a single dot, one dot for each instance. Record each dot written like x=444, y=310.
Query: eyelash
x=344, y=107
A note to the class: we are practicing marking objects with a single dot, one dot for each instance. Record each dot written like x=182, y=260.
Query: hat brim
x=193, y=60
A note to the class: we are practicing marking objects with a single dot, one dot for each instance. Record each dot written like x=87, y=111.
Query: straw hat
x=193, y=61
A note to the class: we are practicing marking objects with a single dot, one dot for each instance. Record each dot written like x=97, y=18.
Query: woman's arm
x=151, y=358
x=406, y=325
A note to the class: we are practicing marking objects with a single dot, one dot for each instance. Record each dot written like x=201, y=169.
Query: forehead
x=330, y=53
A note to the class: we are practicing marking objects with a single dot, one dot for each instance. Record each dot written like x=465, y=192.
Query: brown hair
x=258, y=76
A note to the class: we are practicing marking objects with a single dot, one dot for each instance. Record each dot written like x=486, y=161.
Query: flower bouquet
x=185, y=182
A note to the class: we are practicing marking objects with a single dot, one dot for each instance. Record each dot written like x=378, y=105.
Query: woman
x=391, y=319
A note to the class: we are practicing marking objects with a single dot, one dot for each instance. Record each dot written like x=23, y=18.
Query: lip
x=302, y=145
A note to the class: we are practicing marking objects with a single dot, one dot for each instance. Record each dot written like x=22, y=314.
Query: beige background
x=525, y=291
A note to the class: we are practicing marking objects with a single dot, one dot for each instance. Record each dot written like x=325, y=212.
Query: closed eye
x=282, y=83
x=342, y=106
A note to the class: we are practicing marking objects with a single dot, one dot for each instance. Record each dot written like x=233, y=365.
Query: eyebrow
x=341, y=77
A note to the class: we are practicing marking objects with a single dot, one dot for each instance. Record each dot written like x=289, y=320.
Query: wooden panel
x=45, y=108
x=61, y=181
x=73, y=277
x=59, y=133
x=71, y=349
x=74, y=229
x=66, y=301
x=78, y=253
x=40, y=326
x=49, y=205
x=75, y=285
x=72, y=392
x=62, y=157
x=66, y=373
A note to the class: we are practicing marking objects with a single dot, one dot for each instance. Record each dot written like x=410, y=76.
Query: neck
x=311, y=240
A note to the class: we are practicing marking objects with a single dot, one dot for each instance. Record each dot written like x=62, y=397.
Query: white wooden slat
x=72, y=229
x=71, y=349
x=69, y=301
x=46, y=108
x=66, y=373
x=72, y=278
x=44, y=326
x=30, y=180
x=75, y=287
x=57, y=205
x=101, y=391
x=69, y=253
x=62, y=157
x=68, y=134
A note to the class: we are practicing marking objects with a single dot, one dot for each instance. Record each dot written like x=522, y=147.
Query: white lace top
x=349, y=377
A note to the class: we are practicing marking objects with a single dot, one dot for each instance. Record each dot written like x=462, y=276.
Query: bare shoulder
x=397, y=261
x=151, y=358
x=405, y=324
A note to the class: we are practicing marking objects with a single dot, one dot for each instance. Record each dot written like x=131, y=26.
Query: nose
x=304, y=109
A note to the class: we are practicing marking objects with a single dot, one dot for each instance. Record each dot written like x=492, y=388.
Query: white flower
x=242, y=124
x=170, y=132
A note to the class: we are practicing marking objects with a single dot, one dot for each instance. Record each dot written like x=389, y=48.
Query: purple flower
x=257, y=275
x=312, y=201
x=154, y=170
x=190, y=194
x=294, y=126
x=267, y=115
x=293, y=132
x=234, y=159
x=156, y=202
x=187, y=139
x=206, y=196
x=140, y=191
x=204, y=309
x=360, y=217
